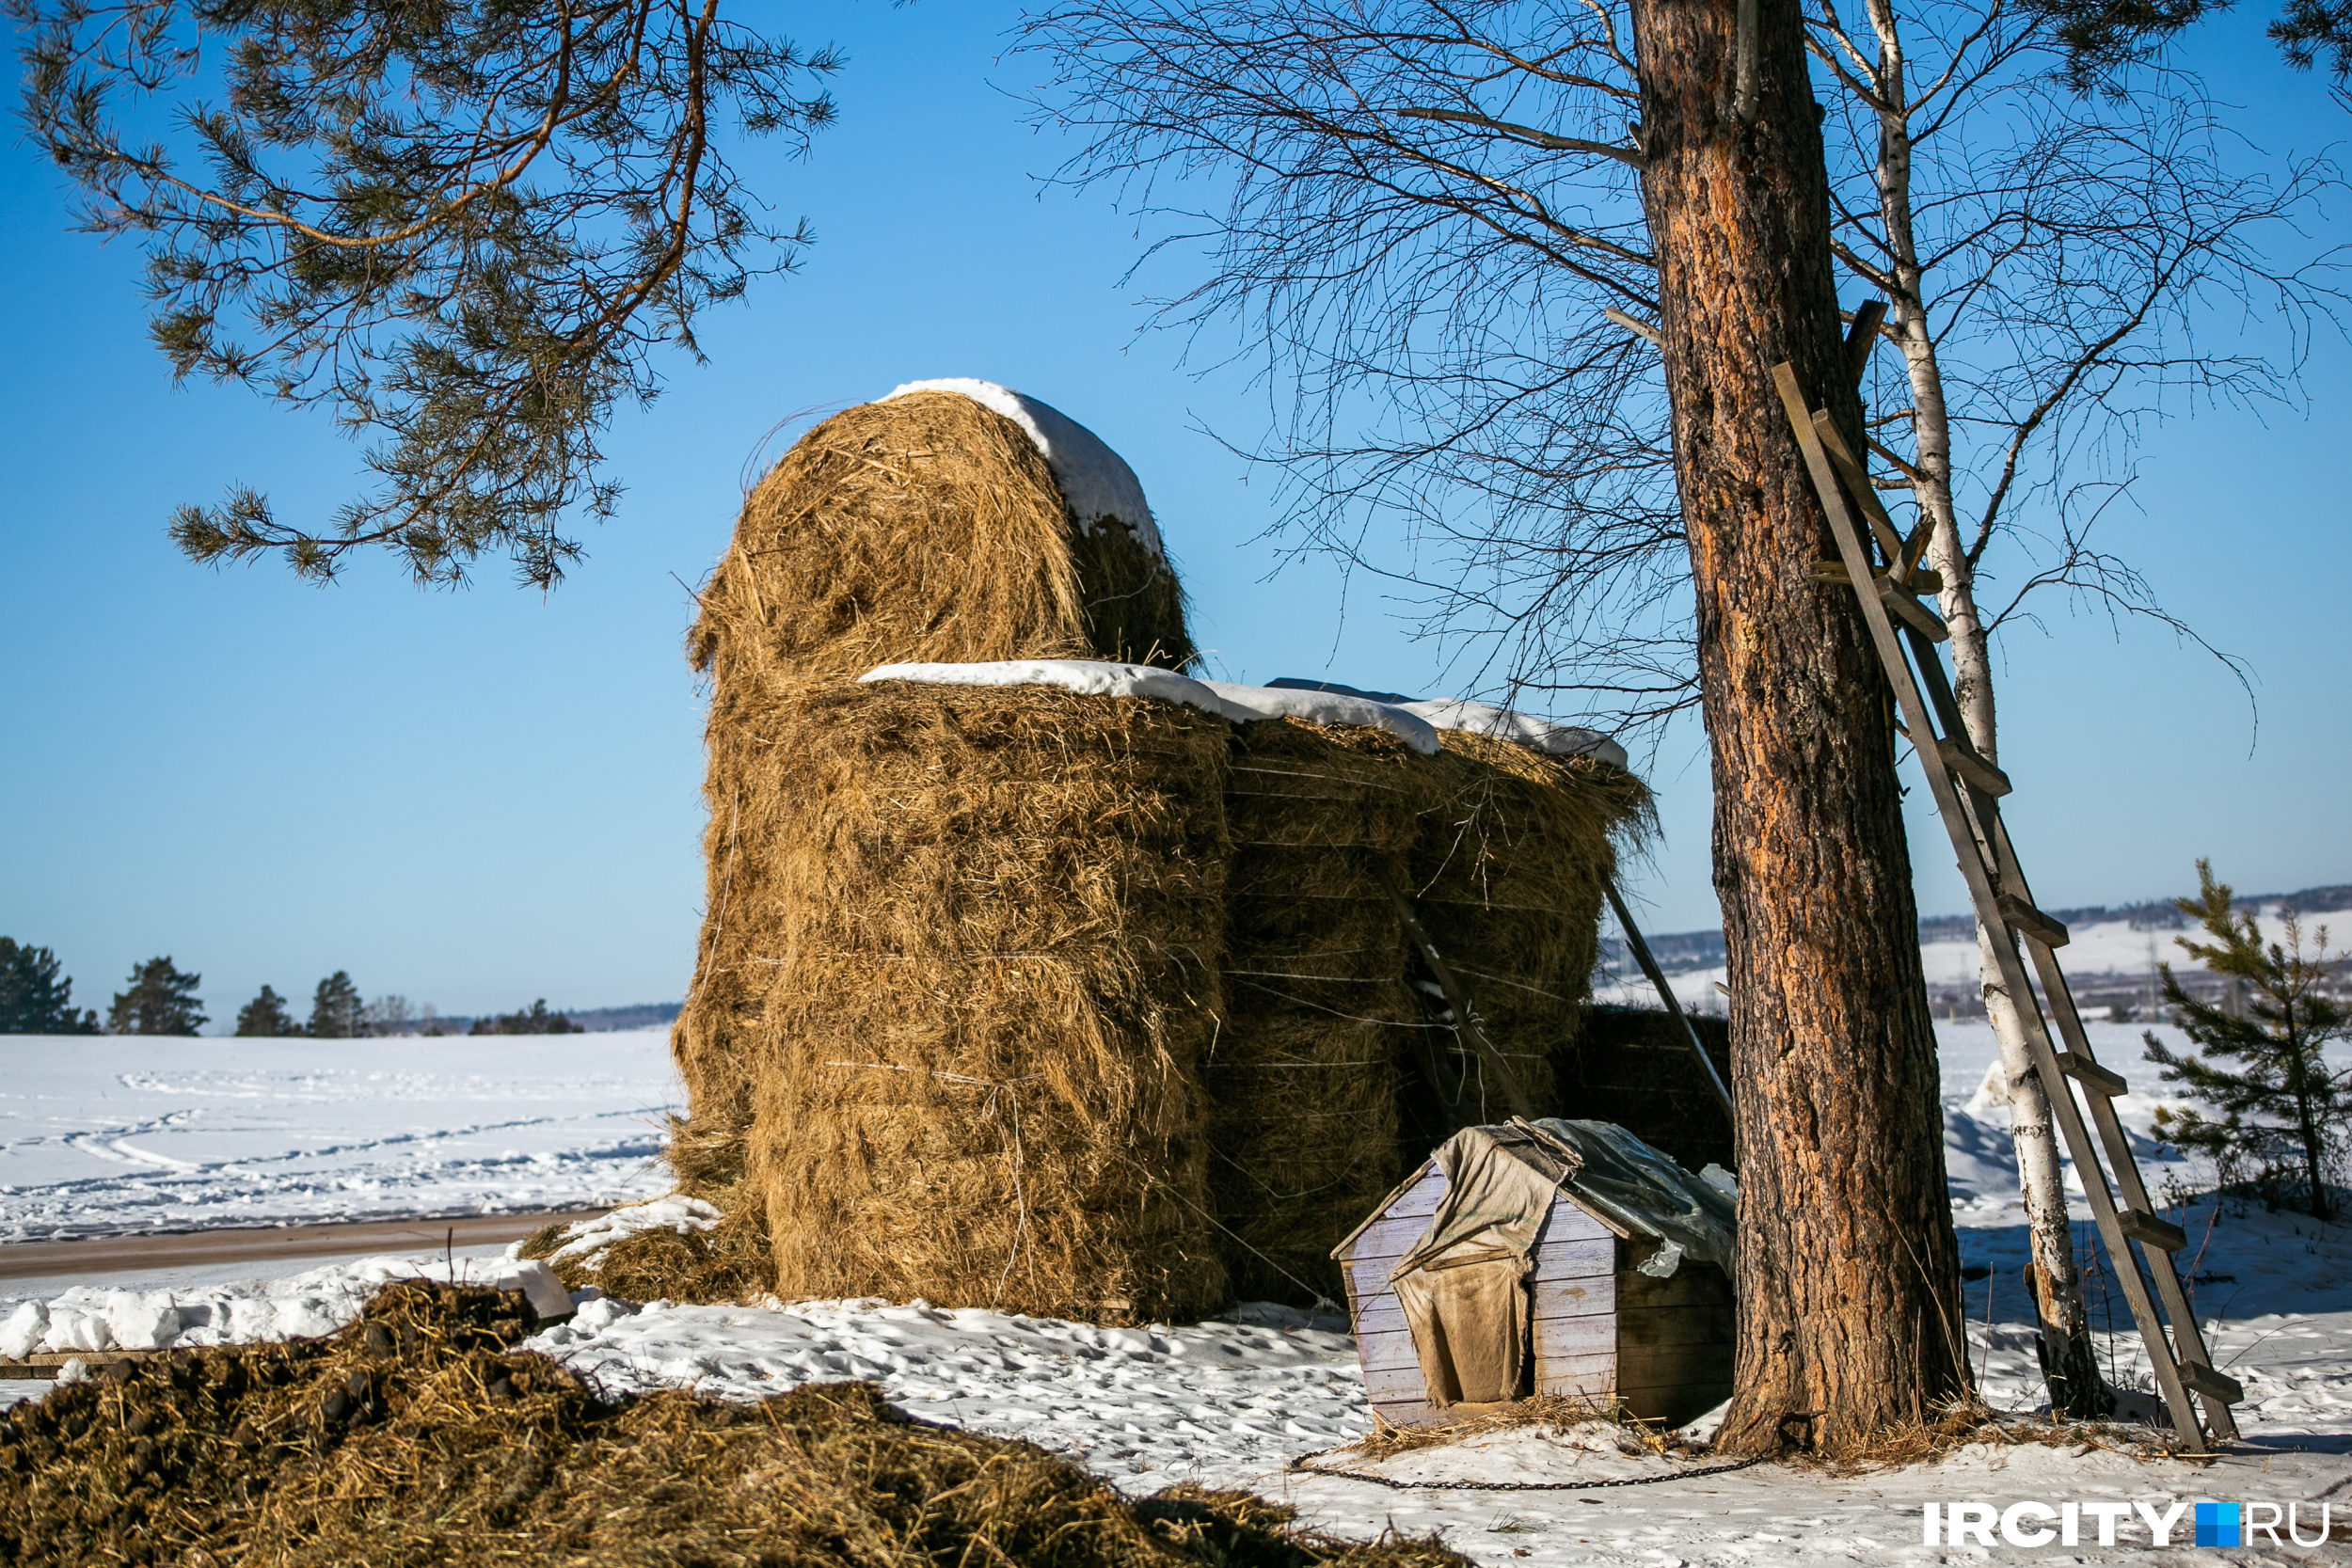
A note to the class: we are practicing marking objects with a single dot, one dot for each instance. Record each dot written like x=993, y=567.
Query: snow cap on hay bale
x=930, y=526
x=952, y=520
x=988, y=936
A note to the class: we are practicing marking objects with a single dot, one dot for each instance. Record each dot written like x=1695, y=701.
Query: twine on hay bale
x=990, y=938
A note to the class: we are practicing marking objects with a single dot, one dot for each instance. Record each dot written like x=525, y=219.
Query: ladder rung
x=1923, y=580
x=1961, y=758
x=2150, y=1230
x=1923, y=620
x=2032, y=922
x=2211, y=1382
x=2085, y=1072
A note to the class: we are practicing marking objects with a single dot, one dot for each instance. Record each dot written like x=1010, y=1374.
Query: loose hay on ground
x=417, y=1436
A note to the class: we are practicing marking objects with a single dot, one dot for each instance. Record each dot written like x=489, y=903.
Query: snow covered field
x=113, y=1134
x=250, y=1131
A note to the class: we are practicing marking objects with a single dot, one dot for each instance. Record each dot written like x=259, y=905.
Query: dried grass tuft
x=1969, y=1423
x=1550, y=1412
x=418, y=1437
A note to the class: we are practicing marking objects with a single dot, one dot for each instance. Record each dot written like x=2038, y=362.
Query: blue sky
x=478, y=798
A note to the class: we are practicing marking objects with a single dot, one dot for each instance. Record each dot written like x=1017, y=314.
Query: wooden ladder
x=1967, y=792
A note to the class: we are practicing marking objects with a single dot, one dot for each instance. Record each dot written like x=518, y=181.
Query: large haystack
x=988, y=929
x=927, y=526
x=1305, y=1080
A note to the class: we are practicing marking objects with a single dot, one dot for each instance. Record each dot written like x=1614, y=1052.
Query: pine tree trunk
x=1848, y=1271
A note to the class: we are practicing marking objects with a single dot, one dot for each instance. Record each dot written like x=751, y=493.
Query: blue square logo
x=2218, y=1524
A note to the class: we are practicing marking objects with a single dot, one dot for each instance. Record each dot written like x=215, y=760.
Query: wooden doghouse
x=1543, y=1275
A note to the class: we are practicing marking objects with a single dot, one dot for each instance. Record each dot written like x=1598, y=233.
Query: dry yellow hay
x=925, y=528
x=1304, y=1080
x=989, y=932
x=1506, y=875
x=418, y=1437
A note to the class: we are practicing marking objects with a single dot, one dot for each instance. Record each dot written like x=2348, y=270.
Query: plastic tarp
x=1462, y=1286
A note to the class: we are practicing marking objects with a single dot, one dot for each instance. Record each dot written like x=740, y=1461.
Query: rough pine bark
x=1849, y=1271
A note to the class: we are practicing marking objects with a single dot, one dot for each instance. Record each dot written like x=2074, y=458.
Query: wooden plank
x=1561, y=1339
x=2032, y=922
x=1593, y=1377
x=1391, y=1236
x=1406, y=1413
x=1394, y=1383
x=1673, y=1405
x=1672, y=1366
x=2091, y=1075
x=1565, y=1222
x=1692, y=1285
x=2148, y=1230
x=1923, y=580
x=1575, y=1298
x=1711, y=1324
x=1387, y=1351
x=1961, y=758
x=1578, y=1260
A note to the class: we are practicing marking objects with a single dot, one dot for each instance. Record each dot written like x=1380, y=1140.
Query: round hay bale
x=1305, y=1076
x=1506, y=875
x=928, y=528
x=986, y=939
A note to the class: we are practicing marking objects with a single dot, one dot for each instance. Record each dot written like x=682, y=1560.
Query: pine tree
x=265, y=1017
x=535, y=1020
x=335, y=1009
x=161, y=1001
x=2260, y=1064
x=34, y=1000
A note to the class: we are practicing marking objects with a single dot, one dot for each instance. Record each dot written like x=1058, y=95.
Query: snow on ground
x=117, y=1134
x=1227, y=1404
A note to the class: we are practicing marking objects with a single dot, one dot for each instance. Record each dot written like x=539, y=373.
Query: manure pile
x=419, y=1435
x=1084, y=1005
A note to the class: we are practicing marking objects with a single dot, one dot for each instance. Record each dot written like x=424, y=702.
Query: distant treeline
x=161, y=999
x=1681, y=952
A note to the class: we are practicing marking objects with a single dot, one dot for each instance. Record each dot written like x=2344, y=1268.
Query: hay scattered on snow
x=416, y=1436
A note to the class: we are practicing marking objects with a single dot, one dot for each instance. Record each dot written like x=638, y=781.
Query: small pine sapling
x=2262, y=1065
